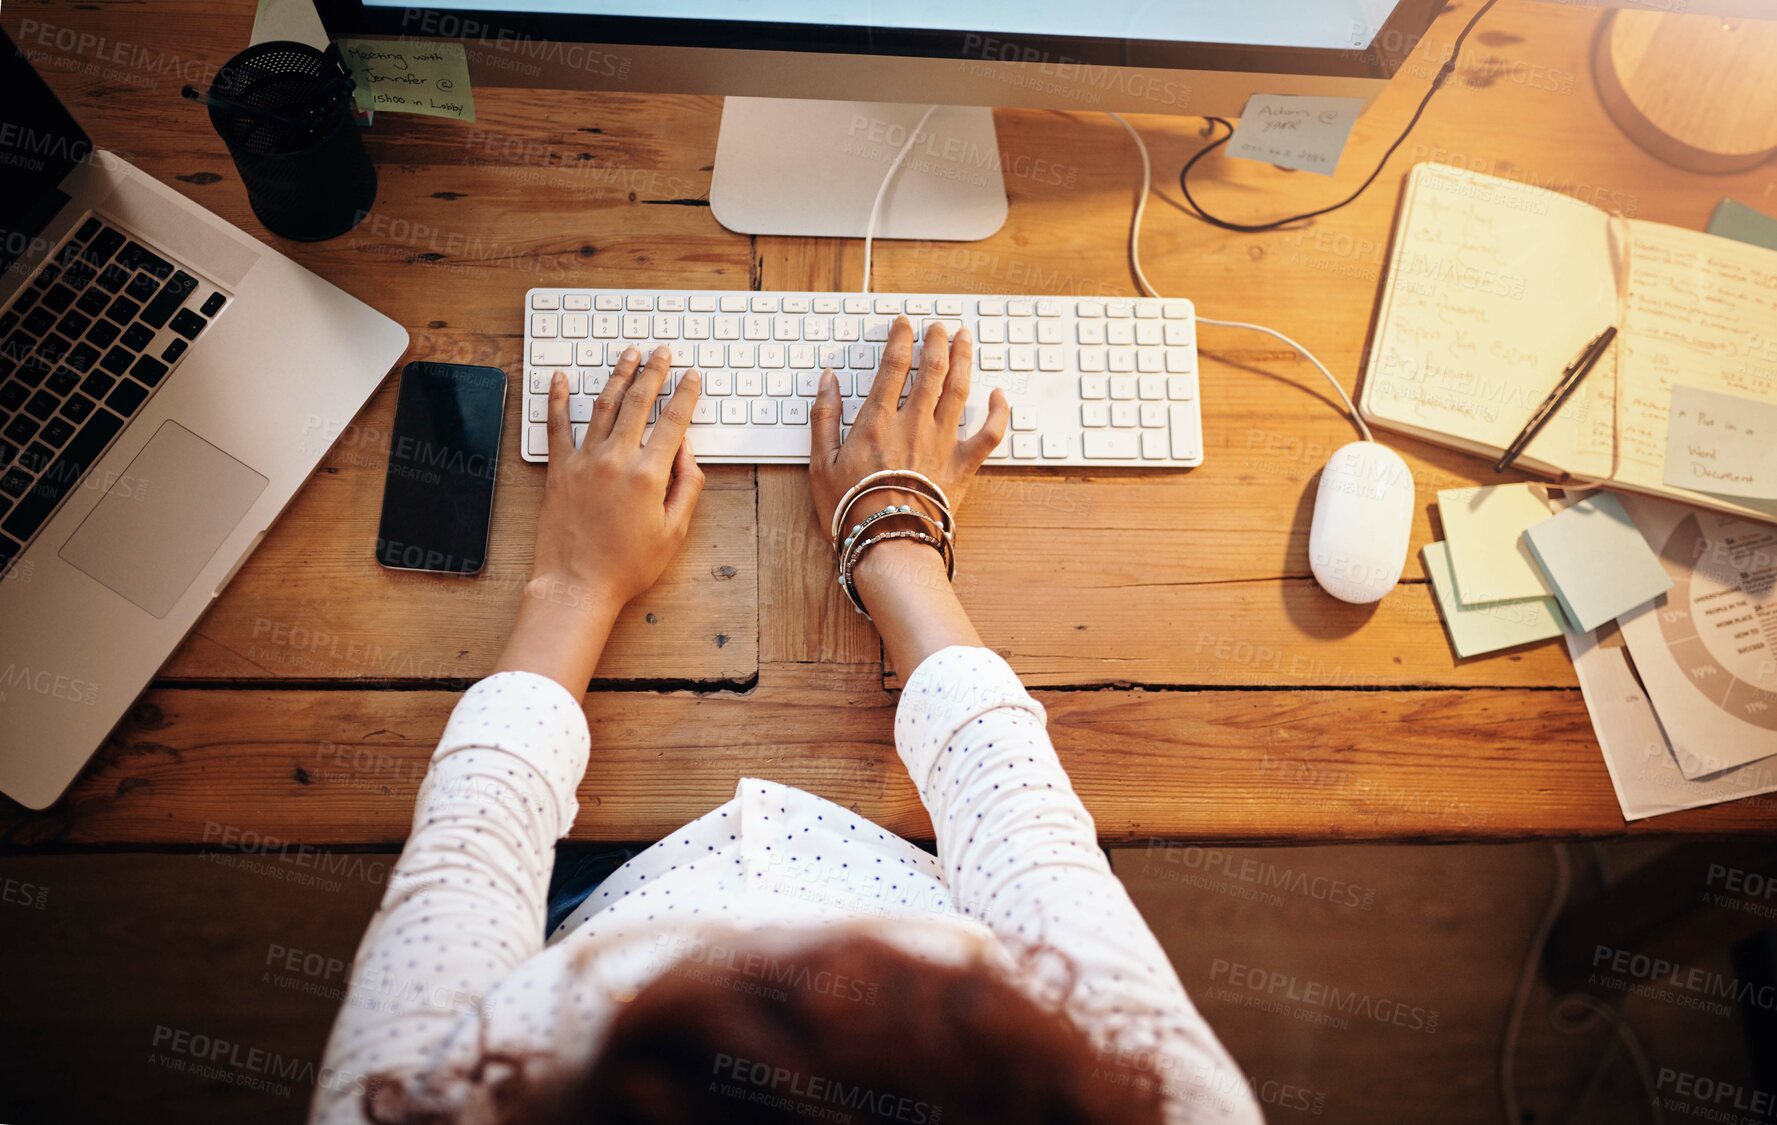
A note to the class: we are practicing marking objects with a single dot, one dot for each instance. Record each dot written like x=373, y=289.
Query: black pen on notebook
x=1570, y=378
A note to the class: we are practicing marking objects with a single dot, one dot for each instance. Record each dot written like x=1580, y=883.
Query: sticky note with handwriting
x=1294, y=130
x=1721, y=443
x=412, y=76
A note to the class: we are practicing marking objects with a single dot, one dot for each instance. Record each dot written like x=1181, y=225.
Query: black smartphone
x=444, y=455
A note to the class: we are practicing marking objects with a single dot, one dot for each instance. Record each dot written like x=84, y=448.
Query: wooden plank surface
x=238, y=768
x=1095, y=585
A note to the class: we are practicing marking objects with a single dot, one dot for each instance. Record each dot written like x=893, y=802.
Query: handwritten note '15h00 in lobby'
x=414, y=76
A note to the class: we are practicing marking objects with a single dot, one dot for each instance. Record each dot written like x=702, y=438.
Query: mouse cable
x=1437, y=82
x=888, y=178
x=1141, y=279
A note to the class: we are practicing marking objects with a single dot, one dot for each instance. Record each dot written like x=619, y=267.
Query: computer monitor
x=821, y=94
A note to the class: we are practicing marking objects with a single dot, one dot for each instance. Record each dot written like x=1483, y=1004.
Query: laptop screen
x=39, y=144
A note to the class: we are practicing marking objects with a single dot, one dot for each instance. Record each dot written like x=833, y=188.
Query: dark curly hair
x=855, y=1031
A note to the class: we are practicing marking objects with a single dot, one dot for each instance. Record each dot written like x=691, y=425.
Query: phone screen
x=444, y=454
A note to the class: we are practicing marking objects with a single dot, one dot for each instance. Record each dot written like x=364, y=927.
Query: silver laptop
x=167, y=383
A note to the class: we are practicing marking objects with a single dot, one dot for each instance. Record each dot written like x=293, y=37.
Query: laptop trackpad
x=163, y=518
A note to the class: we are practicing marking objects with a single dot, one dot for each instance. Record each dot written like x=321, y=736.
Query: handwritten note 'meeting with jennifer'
x=1721, y=443
x=1307, y=133
x=412, y=76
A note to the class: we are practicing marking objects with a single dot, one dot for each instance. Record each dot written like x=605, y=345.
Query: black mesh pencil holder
x=285, y=112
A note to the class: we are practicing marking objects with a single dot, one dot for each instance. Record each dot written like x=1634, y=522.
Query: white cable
x=1141, y=279
x=888, y=178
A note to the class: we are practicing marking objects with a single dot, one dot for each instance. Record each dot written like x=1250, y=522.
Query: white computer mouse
x=1363, y=520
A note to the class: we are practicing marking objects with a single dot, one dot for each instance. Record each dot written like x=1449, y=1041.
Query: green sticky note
x=1487, y=628
x=1484, y=528
x=1743, y=224
x=412, y=76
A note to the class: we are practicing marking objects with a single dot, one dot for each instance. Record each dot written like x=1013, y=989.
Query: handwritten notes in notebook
x=1721, y=443
x=412, y=76
x=1493, y=287
x=1295, y=131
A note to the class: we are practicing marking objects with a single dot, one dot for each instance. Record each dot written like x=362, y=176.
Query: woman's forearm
x=560, y=632
x=915, y=608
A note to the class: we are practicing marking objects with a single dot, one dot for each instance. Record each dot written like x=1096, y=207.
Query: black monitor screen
x=39, y=144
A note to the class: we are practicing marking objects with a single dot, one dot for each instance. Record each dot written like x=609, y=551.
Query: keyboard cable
x=888, y=178
x=1141, y=279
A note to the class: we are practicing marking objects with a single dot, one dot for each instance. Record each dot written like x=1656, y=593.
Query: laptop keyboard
x=82, y=348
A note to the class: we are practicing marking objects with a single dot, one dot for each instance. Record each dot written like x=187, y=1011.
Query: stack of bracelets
x=858, y=536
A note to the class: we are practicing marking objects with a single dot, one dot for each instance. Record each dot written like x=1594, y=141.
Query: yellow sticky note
x=1487, y=628
x=1484, y=528
x=412, y=75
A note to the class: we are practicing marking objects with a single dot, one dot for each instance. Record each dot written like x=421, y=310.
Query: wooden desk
x=1199, y=684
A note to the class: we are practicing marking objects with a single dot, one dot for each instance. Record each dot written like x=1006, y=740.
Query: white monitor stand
x=804, y=167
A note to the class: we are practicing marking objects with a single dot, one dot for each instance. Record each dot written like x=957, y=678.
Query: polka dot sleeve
x=465, y=902
x=1020, y=854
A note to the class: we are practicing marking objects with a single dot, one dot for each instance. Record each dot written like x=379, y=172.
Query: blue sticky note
x=1596, y=561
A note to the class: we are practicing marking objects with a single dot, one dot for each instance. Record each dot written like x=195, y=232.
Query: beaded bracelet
x=945, y=523
x=857, y=489
x=943, y=540
x=850, y=561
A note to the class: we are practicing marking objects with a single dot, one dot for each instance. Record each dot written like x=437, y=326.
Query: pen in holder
x=285, y=111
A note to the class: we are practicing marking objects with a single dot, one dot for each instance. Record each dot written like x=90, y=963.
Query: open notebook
x=1494, y=286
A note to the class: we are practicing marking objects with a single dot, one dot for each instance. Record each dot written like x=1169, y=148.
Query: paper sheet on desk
x=1643, y=770
x=1706, y=650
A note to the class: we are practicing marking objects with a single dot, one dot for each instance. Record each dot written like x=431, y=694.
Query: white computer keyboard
x=1092, y=381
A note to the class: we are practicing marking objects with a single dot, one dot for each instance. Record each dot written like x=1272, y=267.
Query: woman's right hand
x=919, y=434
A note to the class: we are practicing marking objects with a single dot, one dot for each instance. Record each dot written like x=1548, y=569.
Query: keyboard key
x=12, y=394
x=1024, y=417
x=37, y=457
x=52, y=348
x=1183, y=420
x=56, y=431
x=141, y=287
x=82, y=356
x=122, y=310
x=1181, y=388
x=87, y=229
x=73, y=323
x=57, y=298
x=101, y=334
x=1055, y=446
x=126, y=397
x=77, y=407
x=1111, y=445
x=1154, y=445
x=93, y=302
x=21, y=429
x=97, y=383
x=170, y=297
x=112, y=278
x=100, y=248
x=174, y=350
x=136, y=337
x=62, y=475
x=39, y=321
x=212, y=304
x=135, y=256
x=63, y=381
x=149, y=370
x=545, y=301
x=14, y=482
x=188, y=324
x=117, y=360
x=42, y=405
